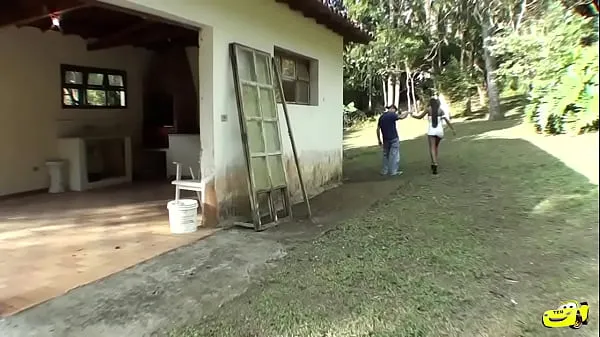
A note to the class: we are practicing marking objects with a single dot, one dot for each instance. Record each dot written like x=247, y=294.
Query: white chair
x=196, y=185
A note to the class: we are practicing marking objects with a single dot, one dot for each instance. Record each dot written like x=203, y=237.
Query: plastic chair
x=196, y=185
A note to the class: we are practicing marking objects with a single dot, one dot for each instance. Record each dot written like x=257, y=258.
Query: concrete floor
x=51, y=244
x=182, y=286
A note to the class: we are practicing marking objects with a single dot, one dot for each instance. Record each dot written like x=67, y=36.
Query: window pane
x=96, y=97
x=303, y=94
x=302, y=70
x=115, y=80
x=95, y=79
x=267, y=104
x=250, y=100
x=73, y=77
x=289, y=90
x=272, y=137
x=71, y=97
x=260, y=173
x=255, y=137
x=288, y=68
x=263, y=69
x=276, y=168
x=246, y=65
x=115, y=98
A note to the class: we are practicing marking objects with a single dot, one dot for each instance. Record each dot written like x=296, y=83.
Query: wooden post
x=289, y=127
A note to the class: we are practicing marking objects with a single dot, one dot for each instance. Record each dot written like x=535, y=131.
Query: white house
x=99, y=77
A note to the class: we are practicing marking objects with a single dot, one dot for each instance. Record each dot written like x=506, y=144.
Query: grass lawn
x=505, y=232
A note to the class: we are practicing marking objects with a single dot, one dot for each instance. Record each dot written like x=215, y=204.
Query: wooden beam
x=151, y=36
x=145, y=16
x=187, y=39
x=119, y=38
x=43, y=11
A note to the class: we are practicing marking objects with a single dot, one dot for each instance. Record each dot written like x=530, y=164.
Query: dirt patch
x=321, y=171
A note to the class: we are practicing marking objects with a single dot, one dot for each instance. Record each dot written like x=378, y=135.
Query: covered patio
x=121, y=84
x=51, y=244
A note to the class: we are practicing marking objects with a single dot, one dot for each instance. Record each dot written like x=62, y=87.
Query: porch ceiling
x=331, y=17
x=102, y=25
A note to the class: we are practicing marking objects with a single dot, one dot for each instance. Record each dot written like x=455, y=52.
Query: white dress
x=437, y=131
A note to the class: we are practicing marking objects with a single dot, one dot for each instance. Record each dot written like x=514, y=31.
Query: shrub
x=564, y=71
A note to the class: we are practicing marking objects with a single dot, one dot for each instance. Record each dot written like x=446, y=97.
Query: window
x=295, y=77
x=89, y=88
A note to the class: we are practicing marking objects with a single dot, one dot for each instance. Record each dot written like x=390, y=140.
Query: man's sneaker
x=397, y=173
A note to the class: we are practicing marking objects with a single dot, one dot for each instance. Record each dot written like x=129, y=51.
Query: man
x=391, y=142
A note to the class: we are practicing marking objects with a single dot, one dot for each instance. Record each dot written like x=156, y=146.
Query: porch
x=51, y=244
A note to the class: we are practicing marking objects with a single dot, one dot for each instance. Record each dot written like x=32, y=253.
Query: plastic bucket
x=183, y=216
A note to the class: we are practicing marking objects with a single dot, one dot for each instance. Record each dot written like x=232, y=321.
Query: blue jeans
x=391, y=156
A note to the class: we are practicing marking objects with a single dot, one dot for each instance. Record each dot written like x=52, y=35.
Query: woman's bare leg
x=433, y=149
x=431, y=142
x=436, y=147
x=433, y=153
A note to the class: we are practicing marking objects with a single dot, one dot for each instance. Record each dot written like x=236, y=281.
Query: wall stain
x=320, y=171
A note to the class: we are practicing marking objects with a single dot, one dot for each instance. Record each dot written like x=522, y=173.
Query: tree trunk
x=430, y=17
x=390, y=91
x=439, y=58
x=408, y=98
x=481, y=94
x=397, y=87
x=412, y=92
x=520, y=15
x=463, y=35
x=468, y=109
x=385, y=92
x=490, y=69
x=441, y=31
x=462, y=51
x=370, y=93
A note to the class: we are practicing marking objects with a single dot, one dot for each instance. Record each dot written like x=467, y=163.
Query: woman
x=435, y=129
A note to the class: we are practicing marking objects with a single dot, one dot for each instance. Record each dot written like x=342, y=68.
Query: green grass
x=505, y=232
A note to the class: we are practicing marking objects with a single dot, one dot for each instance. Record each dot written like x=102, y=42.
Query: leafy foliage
x=547, y=47
x=563, y=70
x=455, y=82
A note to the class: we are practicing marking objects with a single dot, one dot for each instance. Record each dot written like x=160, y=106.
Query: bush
x=563, y=89
x=455, y=83
x=568, y=103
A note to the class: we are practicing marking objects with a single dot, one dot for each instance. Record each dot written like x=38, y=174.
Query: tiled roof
x=333, y=15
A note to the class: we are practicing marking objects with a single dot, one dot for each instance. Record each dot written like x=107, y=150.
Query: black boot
x=434, y=168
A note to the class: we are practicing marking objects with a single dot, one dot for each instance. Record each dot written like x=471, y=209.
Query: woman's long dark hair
x=434, y=105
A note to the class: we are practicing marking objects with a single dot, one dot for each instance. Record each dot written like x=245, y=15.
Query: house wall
x=260, y=24
x=31, y=114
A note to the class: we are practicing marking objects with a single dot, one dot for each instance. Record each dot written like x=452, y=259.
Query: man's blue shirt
x=387, y=124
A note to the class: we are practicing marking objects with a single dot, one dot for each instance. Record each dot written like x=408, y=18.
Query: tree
x=555, y=51
x=458, y=42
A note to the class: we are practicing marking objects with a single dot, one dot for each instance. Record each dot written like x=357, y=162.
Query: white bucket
x=183, y=216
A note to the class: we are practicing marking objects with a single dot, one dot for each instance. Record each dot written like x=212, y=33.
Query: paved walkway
x=182, y=286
